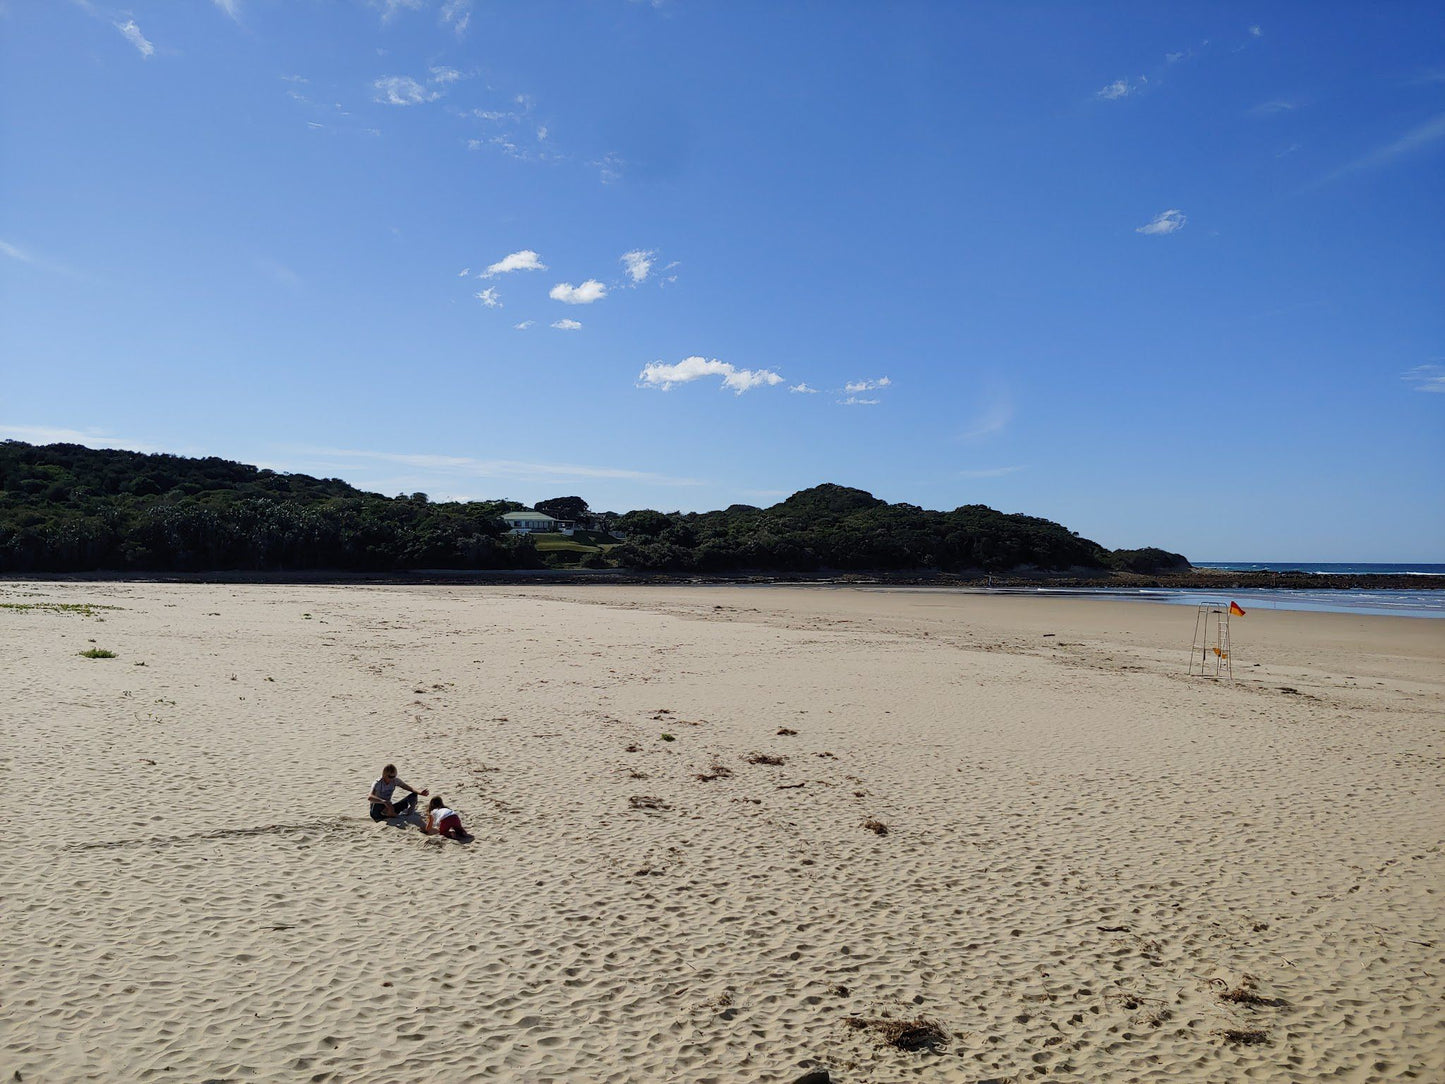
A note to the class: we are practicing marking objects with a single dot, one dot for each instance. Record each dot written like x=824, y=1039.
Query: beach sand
x=1082, y=865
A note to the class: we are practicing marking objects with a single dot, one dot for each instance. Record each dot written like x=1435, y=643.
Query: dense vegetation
x=64, y=508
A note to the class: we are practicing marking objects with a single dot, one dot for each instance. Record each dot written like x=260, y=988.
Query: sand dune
x=1014, y=820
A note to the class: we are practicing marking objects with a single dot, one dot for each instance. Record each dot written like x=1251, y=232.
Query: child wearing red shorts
x=441, y=821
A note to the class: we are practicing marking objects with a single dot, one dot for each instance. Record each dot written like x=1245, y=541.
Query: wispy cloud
x=526, y=260
x=1256, y=32
x=464, y=272
x=566, y=325
x=1274, y=107
x=609, y=167
x=1119, y=88
x=803, y=389
x=135, y=37
x=15, y=252
x=1170, y=221
x=994, y=418
x=389, y=8
x=1416, y=139
x=445, y=75
x=505, y=469
x=524, y=325
x=91, y=438
x=1429, y=378
x=26, y=256
x=402, y=90
x=231, y=8
x=585, y=294
x=664, y=377
x=853, y=387
x=489, y=298
x=853, y=400
x=457, y=14
x=637, y=263
x=989, y=472
x=280, y=274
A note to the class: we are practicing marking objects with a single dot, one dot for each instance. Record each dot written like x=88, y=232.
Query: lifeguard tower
x=1210, y=655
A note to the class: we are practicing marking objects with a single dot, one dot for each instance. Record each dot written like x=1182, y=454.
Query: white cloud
x=1119, y=88
x=489, y=298
x=524, y=325
x=457, y=14
x=853, y=400
x=1426, y=378
x=464, y=272
x=135, y=37
x=855, y=386
x=445, y=75
x=1164, y=222
x=231, y=8
x=403, y=90
x=638, y=263
x=659, y=375
x=1277, y=105
x=585, y=294
x=989, y=472
x=526, y=260
x=803, y=389
x=541, y=133
x=15, y=252
x=1256, y=32
x=566, y=325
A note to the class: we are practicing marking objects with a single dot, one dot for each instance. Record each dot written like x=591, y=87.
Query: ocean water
x=1349, y=601
x=1329, y=568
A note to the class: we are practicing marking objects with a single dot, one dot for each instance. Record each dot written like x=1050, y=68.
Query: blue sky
x=1168, y=274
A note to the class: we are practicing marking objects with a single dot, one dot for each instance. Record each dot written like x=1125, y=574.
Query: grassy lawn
x=571, y=548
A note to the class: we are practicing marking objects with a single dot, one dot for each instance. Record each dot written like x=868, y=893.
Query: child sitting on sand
x=441, y=821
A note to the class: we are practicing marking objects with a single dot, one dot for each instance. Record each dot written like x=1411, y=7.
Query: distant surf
x=1346, y=601
x=1328, y=568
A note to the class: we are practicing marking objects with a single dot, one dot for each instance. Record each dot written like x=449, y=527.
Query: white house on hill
x=529, y=521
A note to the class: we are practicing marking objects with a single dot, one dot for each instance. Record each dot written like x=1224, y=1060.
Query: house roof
x=528, y=514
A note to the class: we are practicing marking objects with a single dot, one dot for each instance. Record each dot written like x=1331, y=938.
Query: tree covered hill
x=67, y=508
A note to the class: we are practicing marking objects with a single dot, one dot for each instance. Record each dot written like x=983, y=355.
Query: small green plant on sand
x=96, y=653
x=668, y=737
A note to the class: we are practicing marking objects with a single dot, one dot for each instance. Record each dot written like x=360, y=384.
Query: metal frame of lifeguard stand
x=1204, y=653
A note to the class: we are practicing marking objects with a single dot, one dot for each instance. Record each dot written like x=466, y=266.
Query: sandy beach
x=1008, y=833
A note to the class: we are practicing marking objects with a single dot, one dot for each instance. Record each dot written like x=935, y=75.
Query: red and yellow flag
x=1236, y=610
